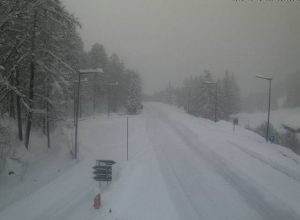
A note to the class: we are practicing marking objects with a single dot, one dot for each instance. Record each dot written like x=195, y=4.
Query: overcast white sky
x=166, y=40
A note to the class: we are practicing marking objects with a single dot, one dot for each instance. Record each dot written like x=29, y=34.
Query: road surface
x=180, y=167
x=202, y=183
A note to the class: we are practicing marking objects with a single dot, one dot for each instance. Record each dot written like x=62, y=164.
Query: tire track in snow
x=171, y=181
x=190, y=188
x=267, y=205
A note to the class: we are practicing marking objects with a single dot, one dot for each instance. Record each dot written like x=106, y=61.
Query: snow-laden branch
x=5, y=83
x=37, y=111
x=59, y=60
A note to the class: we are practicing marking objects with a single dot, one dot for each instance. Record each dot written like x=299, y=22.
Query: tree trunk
x=12, y=104
x=31, y=82
x=47, y=115
x=18, y=106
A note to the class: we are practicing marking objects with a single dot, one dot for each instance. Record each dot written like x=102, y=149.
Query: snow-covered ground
x=289, y=117
x=180, y=167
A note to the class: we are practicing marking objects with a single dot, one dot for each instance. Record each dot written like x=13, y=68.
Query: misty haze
x=139, y=109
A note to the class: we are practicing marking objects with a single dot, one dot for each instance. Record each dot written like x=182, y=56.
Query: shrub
x=287, y=139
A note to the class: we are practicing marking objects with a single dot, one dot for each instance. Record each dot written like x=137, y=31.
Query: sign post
x=102, y=172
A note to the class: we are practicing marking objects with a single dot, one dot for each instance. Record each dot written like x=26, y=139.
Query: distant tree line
x=284, y=95
x=118, y=88
x=40, y=55
x=202, y=96
x=292, y=91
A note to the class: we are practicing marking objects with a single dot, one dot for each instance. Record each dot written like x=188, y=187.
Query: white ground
x=180, y=167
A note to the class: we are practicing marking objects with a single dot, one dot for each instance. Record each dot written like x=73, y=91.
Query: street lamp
x=108, y=103
x=81, y=72
x=270, y=80
x=216, y=96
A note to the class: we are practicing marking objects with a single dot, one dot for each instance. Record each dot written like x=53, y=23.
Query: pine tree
x=134, y=93
x=293, y=89
x=98, y=59
x=116, y=74
x=229, y=97
x=41, y=50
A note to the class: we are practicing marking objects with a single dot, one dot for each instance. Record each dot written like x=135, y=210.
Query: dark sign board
x=102, y=167
x=106, y=162
x=98, y=178
x=103, y=170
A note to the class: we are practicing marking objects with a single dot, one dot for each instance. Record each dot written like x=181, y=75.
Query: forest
x=41, y=55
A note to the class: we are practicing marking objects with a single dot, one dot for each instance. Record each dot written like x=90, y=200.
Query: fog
x=172, y=39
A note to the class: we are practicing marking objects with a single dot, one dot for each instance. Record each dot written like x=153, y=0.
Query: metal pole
x=76, y=118
x=108, y=101
x=216, y=102
x=94, y=94
x=267, y=136
x=127, y=136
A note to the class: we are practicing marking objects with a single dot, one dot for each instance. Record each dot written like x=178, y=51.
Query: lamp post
x=269, y=105
x=216, y=96
x=108, y=103
x=81, y=72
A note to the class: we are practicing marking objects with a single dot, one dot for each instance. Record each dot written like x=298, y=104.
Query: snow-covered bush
x=261, y=130
x=291, y=141
x=287, y=139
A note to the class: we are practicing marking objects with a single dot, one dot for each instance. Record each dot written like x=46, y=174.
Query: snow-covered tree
x=293, y=90
x=134, y=93
x=229, y=100
x=97, y=58
x=39, y=55
x=116, y=73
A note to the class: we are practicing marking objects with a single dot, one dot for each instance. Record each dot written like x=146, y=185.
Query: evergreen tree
x=229, y=97
x=134, y=93
x=98, y=59
x=293, y=89
x=41, y=50
x=116, y=74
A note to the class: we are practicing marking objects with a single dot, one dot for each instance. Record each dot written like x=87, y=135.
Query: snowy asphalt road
x=202, y=183
x=180, y=167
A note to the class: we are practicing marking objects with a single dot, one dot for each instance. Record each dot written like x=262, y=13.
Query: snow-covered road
x=180, y=167
x=203, y=183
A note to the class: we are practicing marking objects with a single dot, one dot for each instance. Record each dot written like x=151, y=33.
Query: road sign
x=106, y=162
x=103, y=170
x=105, y=179
x=102, y=167
x=97, y=172
x=102, y=175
